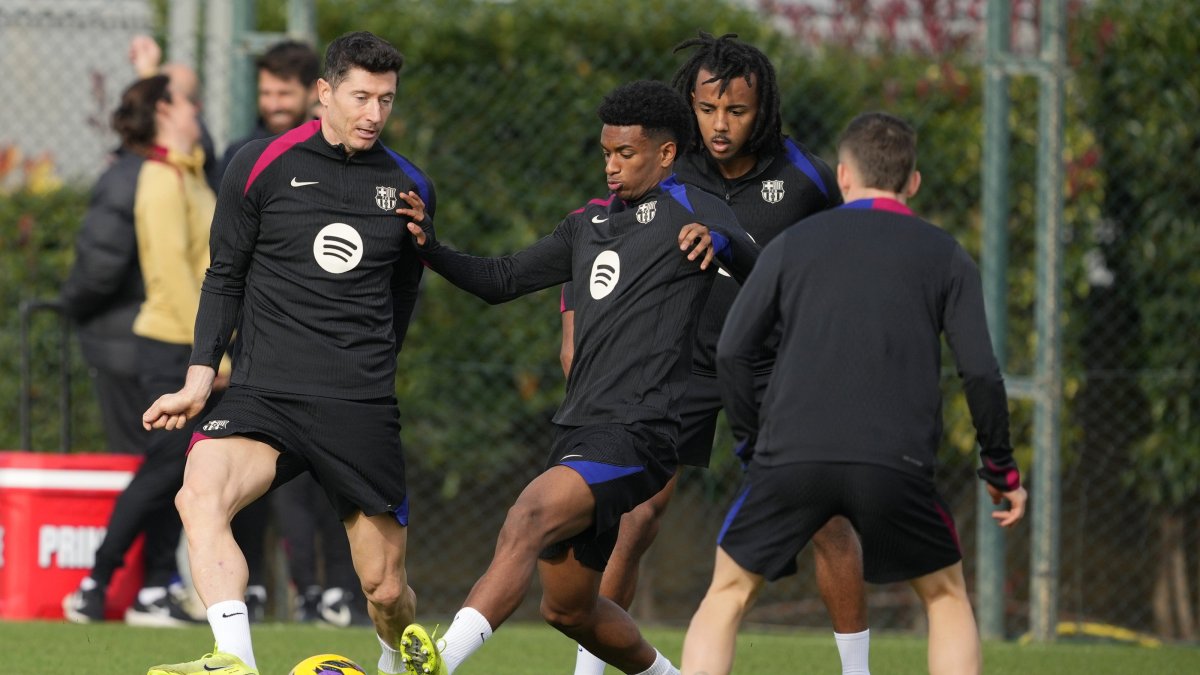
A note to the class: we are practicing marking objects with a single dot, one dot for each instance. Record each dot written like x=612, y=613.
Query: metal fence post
x=989, y=573
x=1046, y=498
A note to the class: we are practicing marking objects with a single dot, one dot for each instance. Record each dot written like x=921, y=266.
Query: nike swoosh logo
x=217, y=668
x=302, y=183
x=597, y=220
x=226, y=616
x=569, y=457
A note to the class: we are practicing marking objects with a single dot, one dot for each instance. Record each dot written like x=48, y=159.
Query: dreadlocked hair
x=726, y=58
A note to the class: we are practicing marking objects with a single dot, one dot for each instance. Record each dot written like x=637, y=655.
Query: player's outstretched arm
x=1016, y=505
x=172, y=411
x=545, y=263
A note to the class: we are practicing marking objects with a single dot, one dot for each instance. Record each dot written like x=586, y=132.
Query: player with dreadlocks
x=739, y=152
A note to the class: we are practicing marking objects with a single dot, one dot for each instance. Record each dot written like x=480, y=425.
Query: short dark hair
x=652, y=105
x=884, y=148
x=726, y=57
x=360, y=49
x=134, y=119
x=291, y=60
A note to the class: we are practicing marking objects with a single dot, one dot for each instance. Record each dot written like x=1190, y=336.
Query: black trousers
x=306, y=523
x=148, y=503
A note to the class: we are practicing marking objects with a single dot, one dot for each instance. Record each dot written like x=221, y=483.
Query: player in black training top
x=307, y=250
x=641, y=262
x=739, y=153
x=852, y=416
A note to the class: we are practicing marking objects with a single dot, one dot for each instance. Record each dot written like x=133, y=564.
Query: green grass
x=40, y=648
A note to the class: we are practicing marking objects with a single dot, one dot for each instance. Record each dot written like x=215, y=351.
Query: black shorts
x=352, y=448
x=624, y=465
x=698, y=417
x=905, y=526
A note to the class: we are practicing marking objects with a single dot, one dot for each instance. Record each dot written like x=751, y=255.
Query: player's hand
x=695, y=237
x=145, y=55
x=172, y=411
x=416, y=213
x=1016, y=505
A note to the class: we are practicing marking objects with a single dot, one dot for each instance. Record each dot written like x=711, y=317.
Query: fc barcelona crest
x=385, y=197
x=645, y=212
x=772, y=191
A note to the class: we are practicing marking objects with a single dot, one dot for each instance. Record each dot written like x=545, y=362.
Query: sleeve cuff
x=1001, y=478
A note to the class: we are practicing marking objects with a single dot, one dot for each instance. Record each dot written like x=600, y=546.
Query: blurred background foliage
x=497, y=103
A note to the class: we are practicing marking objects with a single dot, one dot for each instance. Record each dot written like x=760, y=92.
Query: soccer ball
x=327, y=664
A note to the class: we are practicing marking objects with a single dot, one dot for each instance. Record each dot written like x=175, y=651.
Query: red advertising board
x=53, y=513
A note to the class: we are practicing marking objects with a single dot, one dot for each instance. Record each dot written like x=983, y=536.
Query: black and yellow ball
x=327, y=664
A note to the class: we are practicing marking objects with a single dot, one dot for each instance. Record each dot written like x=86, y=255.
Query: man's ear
x=666, y=153
x=914, y=184
x=324, y=91
x=843, y=177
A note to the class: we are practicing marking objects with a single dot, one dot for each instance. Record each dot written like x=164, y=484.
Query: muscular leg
x=222, y=476
x=570, y=604
x=838, y=557
x=709, y=644
x=378, y=545
x=639, y=527
x=953, y=637
x=555, y=506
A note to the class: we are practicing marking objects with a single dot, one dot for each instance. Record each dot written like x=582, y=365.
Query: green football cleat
x=216, y=662
x=421, y=653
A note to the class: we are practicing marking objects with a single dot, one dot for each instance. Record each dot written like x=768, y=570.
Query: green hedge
x=497, y=104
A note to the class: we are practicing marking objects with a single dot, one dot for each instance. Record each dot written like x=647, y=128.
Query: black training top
x=307, y=246
x=780, y=190
x=636, y=296
x=862, y=294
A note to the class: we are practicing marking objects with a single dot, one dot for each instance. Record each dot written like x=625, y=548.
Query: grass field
x=41, y=648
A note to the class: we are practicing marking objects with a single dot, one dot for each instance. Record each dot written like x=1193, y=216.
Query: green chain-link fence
x=497, y=104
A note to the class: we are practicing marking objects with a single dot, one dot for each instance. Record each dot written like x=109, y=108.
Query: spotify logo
x=606, y=271
x=337, y=248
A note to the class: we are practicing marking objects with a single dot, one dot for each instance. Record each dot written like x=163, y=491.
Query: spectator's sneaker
x=216, y=662
x=256, y=604
x=164, y=612
x=342, y=608
x=82, y=606
x=308, y=605
x=422, y=656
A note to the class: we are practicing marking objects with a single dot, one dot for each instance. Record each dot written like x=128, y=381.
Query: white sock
x=587, y=663
x=231, y=628
x=391, y=660
x=151, y=593
x=854, y=648
x=466, y=634
x=661, y=666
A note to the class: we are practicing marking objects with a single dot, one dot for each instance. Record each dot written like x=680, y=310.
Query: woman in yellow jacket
x=173, y=208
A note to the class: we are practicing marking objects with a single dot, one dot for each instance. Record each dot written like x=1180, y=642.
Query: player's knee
x=193, y=505
x=562, y=619
x=387, y=591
